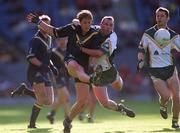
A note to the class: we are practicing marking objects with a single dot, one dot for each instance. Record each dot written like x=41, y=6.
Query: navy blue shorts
x=83, y=63
x=36, y=77
x=61, y=81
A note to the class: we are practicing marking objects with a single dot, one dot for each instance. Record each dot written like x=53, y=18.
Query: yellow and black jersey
x=75, y=39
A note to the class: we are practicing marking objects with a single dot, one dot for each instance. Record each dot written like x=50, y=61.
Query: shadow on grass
x=40, y=130
x=154, y=131
x=166, y=130
x=118, y=132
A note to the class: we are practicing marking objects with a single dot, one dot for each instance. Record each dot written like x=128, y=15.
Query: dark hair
x=163, y=10
x=84, y=14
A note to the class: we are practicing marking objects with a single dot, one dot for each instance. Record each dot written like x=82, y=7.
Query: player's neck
x=44, y=34
x=161, y=26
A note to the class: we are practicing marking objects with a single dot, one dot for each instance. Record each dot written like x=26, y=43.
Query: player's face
x=47, y=22
x=85, y=24
x=107, y=26
x=161, y=18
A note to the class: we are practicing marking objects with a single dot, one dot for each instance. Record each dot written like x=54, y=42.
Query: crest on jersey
x=156, y=53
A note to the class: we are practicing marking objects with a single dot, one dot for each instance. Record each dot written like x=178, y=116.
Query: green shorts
x=105, y=77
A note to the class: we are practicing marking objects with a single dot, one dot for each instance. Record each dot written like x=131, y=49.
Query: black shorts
x=80, y=61
x=163, y=73
x=106, y=77
x=35, y=77
x=61, y=82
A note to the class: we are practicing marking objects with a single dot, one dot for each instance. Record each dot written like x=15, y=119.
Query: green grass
x=14, y=119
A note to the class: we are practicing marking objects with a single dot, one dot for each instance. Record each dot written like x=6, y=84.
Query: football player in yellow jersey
x=161, y=66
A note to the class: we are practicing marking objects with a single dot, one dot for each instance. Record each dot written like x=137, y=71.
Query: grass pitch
x=14, y=119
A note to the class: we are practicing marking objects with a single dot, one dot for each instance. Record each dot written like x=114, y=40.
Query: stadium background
x=132, y=17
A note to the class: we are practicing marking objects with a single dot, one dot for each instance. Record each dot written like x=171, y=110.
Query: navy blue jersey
x=75, y=37
x=57, y=58
x=39, y=47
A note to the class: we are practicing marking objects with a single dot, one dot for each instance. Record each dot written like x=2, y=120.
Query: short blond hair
x=84, y=14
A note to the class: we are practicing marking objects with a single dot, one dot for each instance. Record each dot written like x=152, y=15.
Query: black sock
x=119, y=108
x=35, y=112
x=30, y=93
x=175, y=120
x=52, y=113
x=68, y=120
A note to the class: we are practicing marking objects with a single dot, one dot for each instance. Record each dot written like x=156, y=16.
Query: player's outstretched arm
x=34, y=18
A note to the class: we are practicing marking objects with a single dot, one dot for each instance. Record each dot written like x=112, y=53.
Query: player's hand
x=78, y=47
x=140, y=65
x=33, y=18
x=76, y=22
x=54, y=70
x=44, y=68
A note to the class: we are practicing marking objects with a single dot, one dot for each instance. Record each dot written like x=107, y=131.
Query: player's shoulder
x=113, y=34
x=151, y=31
x=172, y=32
x=95, y=27
x=35, y=39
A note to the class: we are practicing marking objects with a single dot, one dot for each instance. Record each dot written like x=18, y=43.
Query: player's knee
x=48, y=102
x=165, y=98
x=67, y=100
x=118, y=85
x=64, y=100
x=104, y=103
x=72, y=66
x=40, y=100
x=176, y=97
x=82, y=103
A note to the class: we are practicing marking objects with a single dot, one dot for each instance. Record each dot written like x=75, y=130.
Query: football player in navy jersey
x=39, y=73
x=39, y=70
x=76, y=61
x=161, y=65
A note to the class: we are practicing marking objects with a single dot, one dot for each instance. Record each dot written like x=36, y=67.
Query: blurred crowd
x=131, y=19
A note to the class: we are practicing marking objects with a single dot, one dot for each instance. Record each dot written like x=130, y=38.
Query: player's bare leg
x=44, y=96
x=91, y=107
x=118, y=83
x=164, y=95
x=62, y=100
x=82, y=92
x=174, y=86
x=77, y=71
x=103, y=98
